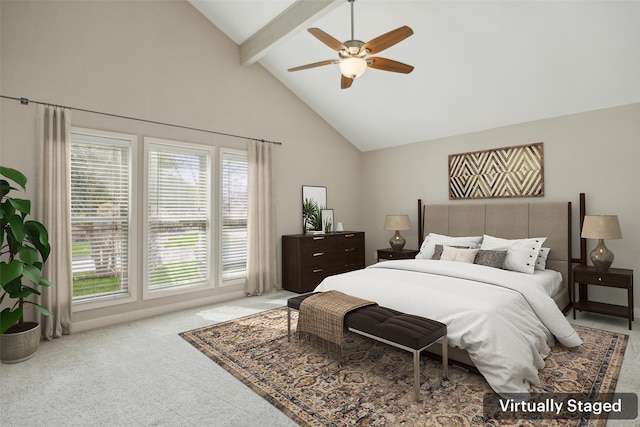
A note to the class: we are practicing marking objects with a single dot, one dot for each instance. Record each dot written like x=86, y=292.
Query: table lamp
x=397, y=223
x=601, y=227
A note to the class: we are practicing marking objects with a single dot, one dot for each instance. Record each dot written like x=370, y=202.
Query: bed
x=501, y=321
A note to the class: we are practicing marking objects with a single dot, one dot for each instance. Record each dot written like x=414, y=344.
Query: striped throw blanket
x=322, y=315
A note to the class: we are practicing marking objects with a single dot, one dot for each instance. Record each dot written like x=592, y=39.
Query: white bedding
x=505, y=320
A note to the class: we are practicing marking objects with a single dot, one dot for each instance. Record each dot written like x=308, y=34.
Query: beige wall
x=594, y=152
x=162, y=61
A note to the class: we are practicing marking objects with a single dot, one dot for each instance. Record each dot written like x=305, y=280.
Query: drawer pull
x=318, y=238
x=346, y=236
x=350, y=249
x=318, y=270
x=318, y=254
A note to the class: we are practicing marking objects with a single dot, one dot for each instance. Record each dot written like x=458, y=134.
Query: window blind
x=178, y=216
x=100, y=202
x=234, y=215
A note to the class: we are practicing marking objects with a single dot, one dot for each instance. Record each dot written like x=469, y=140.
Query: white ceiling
x=478, y=64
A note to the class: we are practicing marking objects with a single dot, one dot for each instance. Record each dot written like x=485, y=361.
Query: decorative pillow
x=437, y=252
x=450, y=253
x=521, y=253
x=432, y=239
x=541, y=262
x=490, y=258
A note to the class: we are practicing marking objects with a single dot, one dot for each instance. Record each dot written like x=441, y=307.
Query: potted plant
x=24, y=247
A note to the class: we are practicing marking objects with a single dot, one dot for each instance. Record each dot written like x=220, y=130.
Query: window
x=100, y=214
x=178, y=215
x=174, y=215
x=234, y=207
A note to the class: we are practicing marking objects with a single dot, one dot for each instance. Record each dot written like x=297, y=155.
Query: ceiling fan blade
x=345, y=82
x=327, y=39
x=384, y=41
x=315, y=64
x=389, y=65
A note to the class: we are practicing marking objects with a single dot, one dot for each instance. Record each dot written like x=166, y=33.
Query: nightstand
x=388, y=253
x=585, y=275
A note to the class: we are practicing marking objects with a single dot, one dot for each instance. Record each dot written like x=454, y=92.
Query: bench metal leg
x=416, y=375
x=416, y=366
x=288, y=324
x=445, y=357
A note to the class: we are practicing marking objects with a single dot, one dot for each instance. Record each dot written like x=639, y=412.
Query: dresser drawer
x=317, y=259
x=315, y=244
x=350, y=259
x=311, y=277
x=351, y=241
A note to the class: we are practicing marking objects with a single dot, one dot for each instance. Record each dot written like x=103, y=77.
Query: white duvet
x=505, y=320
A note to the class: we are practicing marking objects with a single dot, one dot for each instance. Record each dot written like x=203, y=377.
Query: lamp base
x=397, y=242
x=601, y=257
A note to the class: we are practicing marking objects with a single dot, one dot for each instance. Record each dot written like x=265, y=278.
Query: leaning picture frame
x=314, y=200
x=327, y=220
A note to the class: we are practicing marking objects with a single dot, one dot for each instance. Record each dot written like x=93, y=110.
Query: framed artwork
x=314, y=200
x=516, y=171
x=327, y=220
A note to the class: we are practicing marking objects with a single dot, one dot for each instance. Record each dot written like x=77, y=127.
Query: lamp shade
x=601, y=227
x=353, y=67
x=397, y=222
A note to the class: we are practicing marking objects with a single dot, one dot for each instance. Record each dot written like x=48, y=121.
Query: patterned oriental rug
x=373, y=385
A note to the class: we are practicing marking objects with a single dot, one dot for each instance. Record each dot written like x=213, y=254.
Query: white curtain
x=261, y=224
x=54, y=211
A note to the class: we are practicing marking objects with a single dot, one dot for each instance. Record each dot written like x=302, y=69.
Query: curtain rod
x=26, y=101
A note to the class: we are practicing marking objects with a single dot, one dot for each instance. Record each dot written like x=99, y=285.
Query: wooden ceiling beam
x=297, y=16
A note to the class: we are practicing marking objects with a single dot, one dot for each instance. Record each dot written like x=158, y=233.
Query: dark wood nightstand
x=388, y=253
x=585, y=275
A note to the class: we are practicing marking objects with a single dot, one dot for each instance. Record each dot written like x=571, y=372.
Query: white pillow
x=521, y=253
x=459, y=255
x=433, y=239
x=541, y=262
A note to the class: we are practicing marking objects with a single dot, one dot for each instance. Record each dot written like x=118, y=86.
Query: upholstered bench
x=404, y=331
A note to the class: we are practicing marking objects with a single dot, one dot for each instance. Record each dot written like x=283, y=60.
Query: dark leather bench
x=405, y=331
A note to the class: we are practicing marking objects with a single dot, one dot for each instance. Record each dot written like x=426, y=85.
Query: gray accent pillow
x=490, y=258
x=437, y=252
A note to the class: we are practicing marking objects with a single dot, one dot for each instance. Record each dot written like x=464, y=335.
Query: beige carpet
x=373, y=384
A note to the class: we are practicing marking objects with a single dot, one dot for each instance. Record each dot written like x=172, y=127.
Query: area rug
x=372, y=384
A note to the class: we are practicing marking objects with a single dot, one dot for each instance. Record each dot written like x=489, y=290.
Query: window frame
x=223, y=152
x=183, y=147
x=131, y=295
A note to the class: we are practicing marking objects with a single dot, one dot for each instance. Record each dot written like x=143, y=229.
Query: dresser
x=309, y=258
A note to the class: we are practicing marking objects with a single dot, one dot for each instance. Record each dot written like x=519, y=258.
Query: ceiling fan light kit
x=353, y=67
x=354, y=54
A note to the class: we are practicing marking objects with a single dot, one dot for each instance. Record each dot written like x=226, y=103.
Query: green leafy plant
x=24, y=247
x=311, y=215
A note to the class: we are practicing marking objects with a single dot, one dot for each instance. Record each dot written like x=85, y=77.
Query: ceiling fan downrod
x=352, y=32
x=353, y=46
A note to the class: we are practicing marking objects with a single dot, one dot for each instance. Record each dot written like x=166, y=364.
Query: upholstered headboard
x=510, y=221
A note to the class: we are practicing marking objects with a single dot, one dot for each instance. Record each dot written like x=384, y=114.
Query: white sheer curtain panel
x=54, y=211
x=261, y=224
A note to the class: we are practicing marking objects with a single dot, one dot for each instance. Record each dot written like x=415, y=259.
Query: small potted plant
x=24, y=247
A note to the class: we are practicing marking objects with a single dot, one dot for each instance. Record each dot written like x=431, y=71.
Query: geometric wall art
x=516, y=171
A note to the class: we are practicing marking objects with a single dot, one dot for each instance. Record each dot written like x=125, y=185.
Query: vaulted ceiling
x=478, y=64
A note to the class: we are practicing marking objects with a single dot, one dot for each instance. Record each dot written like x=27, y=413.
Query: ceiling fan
x=354, y=54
